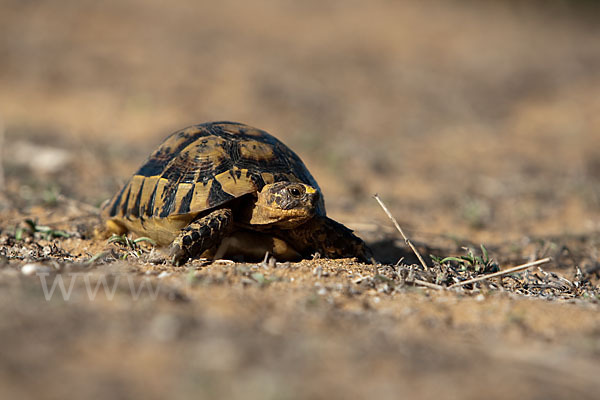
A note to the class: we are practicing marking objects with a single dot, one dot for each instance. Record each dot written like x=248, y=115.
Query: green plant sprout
x=480, y=264
x=45, y=231
x=132, y=245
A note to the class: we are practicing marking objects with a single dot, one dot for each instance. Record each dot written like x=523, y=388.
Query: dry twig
x=408, y=242
x=500, y=273
x=426, y=284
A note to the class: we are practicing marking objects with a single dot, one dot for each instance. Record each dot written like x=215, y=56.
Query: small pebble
x=164, y=274
x=32, y=269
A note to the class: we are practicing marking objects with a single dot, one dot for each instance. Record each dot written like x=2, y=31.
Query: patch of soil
x=474, y=123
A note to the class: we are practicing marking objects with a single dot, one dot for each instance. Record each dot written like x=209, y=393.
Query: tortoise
x=228, y=188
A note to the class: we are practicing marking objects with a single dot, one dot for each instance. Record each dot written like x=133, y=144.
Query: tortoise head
x=285, y=205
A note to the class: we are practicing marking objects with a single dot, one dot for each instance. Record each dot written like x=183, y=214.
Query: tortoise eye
x=295, y=192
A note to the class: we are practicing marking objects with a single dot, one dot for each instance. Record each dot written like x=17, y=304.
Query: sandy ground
x=476, y=122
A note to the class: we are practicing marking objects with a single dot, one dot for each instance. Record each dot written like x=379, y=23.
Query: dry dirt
x=476, y=122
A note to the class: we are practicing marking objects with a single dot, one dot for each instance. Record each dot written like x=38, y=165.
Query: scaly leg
x=201, y=235
x=327, y=237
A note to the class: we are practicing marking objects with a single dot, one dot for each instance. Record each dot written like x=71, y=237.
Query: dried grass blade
x=500, y=273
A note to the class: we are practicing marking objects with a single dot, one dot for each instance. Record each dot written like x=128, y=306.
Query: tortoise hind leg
x=327, y=237
x=201, y=235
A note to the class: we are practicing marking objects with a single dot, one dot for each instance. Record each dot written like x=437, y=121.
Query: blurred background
x=472, y=118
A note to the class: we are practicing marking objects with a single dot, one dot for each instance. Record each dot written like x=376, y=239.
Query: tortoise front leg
x=201, y=235
x=327, y=237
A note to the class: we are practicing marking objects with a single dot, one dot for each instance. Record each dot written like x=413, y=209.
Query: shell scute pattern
x=199, y=168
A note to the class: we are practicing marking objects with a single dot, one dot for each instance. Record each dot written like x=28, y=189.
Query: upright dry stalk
x=408, y=242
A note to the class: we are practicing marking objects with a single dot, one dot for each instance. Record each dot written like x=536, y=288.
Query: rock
x=42, y=159
x=34, y=269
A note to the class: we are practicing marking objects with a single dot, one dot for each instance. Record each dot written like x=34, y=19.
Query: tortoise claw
x=178, y=255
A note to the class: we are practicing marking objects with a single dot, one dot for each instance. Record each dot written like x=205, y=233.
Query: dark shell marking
x=200, y=168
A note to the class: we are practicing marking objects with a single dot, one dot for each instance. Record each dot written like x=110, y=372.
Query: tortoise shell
x=198, y=169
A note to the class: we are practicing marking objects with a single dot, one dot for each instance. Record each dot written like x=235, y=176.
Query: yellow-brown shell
x=200, y=168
